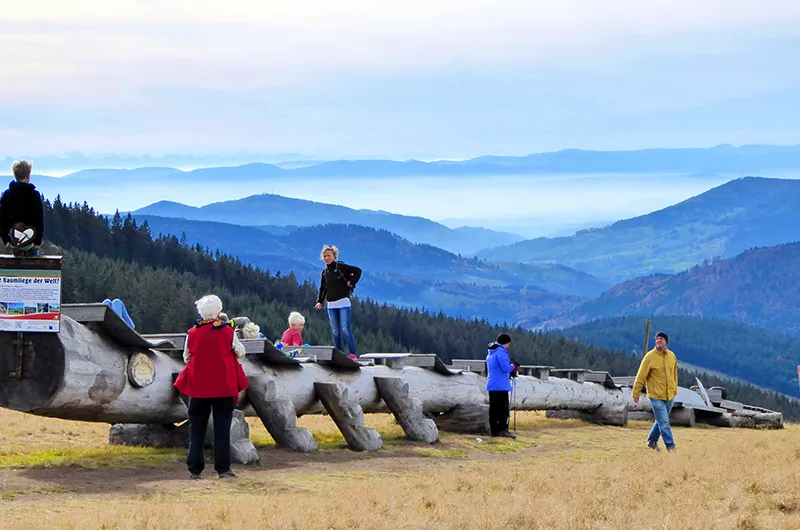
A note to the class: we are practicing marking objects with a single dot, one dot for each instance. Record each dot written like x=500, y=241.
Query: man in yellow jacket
x=659, y=371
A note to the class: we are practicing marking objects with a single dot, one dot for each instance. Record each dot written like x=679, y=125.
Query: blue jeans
x=119, y=308
x=661, y=410
x=340, y=325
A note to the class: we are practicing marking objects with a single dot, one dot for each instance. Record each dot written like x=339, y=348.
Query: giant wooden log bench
x=690, y=406
x=98, y=369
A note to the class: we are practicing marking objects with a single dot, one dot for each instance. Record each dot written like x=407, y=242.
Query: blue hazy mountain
x=268, y=209
x=721, y=222
x=397, y=271
x=720, y=159
x=379, y=251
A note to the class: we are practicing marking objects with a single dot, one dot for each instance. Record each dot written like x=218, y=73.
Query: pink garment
x=292, y=337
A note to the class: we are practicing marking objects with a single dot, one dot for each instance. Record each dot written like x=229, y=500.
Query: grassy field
x=558, y=474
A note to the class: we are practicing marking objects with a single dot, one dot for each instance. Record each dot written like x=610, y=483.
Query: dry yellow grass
x=559, y=474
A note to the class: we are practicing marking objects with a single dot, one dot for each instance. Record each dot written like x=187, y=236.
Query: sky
x=424, y=79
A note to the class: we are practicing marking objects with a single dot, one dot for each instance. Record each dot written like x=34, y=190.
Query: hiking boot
x=507, y=434
x=195, y=476
x=228, y=474
x=653, y=446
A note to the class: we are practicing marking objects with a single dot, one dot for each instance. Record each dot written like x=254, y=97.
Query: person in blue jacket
x=498, y=384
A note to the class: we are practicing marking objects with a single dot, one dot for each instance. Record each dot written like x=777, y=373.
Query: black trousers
x=498, y=411
x=199, y=411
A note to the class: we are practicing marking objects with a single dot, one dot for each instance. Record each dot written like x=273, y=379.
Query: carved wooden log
x=348, y=416
x=720, y=417
x=682, y=417
x=80, y=374
x=407, y=410
x=757, y=419
x=278, y=416
x=600, y=416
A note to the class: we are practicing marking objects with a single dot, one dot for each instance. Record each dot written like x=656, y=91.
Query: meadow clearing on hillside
x=558, y=474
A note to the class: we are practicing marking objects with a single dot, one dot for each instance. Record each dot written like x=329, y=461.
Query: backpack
x=21, y=237
x=340, y=275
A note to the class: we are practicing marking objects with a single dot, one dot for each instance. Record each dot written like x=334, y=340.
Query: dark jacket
x=333, y=281
x=21, y=203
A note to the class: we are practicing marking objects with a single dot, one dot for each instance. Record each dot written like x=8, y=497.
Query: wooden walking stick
x=646, y=336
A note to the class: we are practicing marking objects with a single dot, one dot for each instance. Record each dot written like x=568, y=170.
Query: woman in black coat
x=336, y=285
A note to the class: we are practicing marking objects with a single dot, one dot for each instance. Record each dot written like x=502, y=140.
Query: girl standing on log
x=212, y=378
x=336, y=286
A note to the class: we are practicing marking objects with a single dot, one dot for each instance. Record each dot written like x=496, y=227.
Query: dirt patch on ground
x=277, y=469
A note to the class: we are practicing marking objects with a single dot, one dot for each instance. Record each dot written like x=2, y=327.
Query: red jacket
x=213, y=370
x=292, y=337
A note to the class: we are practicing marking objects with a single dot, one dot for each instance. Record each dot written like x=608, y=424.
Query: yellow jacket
x=659, y=371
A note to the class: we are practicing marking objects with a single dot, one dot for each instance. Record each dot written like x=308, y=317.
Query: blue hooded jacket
x=499, y=367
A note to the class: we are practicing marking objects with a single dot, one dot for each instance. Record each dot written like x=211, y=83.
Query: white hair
x=250, y=330
x=21, y=169
x=296, y=318
x=209, y=306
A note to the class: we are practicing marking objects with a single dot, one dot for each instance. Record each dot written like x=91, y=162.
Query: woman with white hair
x=212, y=378
x=337, y=282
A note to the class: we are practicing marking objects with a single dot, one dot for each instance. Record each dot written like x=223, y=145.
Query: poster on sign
x=30, y=294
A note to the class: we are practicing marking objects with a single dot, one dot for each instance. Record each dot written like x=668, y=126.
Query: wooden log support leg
x=465, y=419
x=149, y=435
x=717, y=420
x=242, y=449
x=407, y=410
x=279, y=416
x=348, y=416
x=679, y=417
x=682, y=417
x=601, y=416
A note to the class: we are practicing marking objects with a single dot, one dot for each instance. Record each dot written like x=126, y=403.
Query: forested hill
x=752, y=354
x=760, y=287
x=159, y=279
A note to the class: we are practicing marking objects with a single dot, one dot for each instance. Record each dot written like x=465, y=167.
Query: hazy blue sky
x=360, y=77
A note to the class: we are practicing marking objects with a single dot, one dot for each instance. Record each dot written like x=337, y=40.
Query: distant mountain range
x=760, y=287
x=277, y=210
x=720, y=159
x=724, y=221
x=77, y=161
